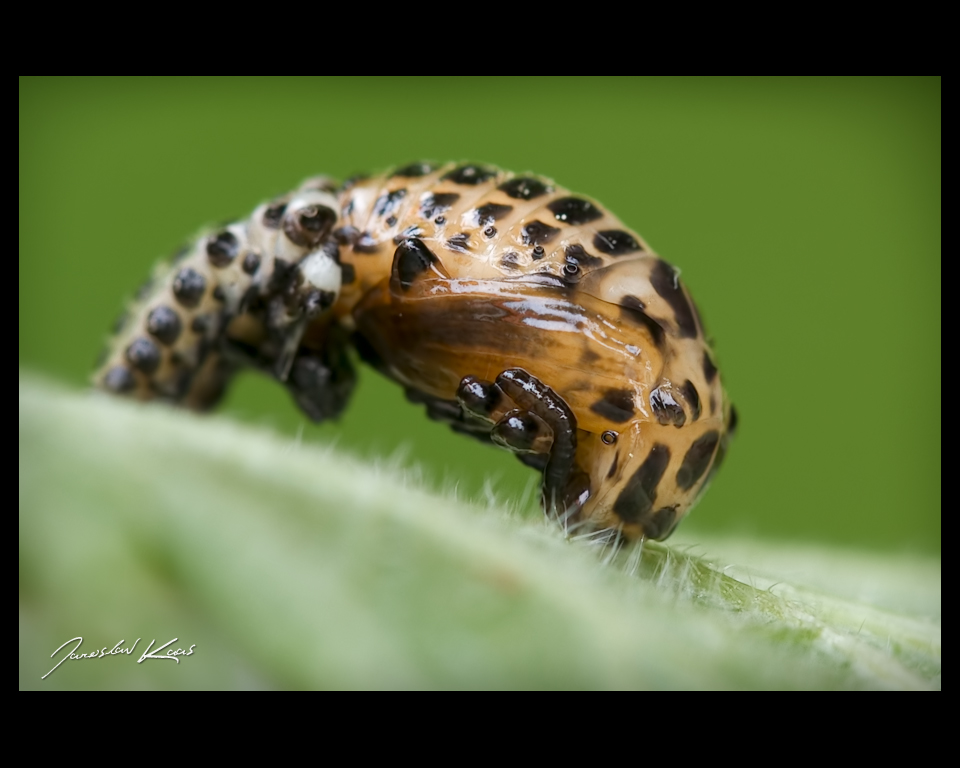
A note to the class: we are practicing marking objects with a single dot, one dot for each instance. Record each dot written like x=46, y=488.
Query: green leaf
x=291, y=566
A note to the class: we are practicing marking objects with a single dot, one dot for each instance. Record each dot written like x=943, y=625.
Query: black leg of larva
x=479, y=398
x=321, y=382
x=450, y=413
x=533, y=395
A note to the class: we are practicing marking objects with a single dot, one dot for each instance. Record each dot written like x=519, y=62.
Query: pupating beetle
x=511, y=309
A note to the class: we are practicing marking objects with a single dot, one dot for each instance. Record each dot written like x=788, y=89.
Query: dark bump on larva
x=414, y=170
x=524, y=188
x=222, y=248
x=538, y=253
x=616, y=405
x=200, y=324
x=164, y=324
x=691, y=395
x=665, y=282
x=143, y=355
x=666, y=408
x=118, y=379
x=346, y=235
x=251, y=262
x=348, y=274
x=432, y=205
x=273, y=215
x=697, y=460
x=390, y=221
x=411, y=259
x=537, y=233
x=409, y=232
x=459, y=242
x=633, y=309
x=491, y=212
x=219, y=294
x=734, y=420
x=660, y=523
x=440, y=221
x=615, y=242
x=609, y=437
x=577, y=255
x=490, y=232
x=388, y=202
x=308, y=226
x=366, y=243
x=636, y=499
x=188, y=287
x=470, y=175
x=709, y=369
x=574, y=210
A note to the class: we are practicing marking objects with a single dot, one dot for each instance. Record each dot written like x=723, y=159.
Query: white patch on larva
x=321, y=271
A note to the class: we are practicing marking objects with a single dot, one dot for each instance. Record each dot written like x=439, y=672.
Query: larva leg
x=565, y=488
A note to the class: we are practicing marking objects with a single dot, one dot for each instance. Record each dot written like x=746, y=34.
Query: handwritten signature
x=117, y=650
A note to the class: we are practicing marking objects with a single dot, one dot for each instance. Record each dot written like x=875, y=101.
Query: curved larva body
x=514, y=310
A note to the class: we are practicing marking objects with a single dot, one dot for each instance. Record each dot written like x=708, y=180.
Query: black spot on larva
x=390, y=221
x=636, y=499
x=666, y=408
x=490, y=213
x=511, y=260
x=489, y=232
x=734, y=420
x=409, y=232
x=615, y=405
x=524, y=188
x=143, y=355
x=219, y=294
x=200, y=324
x=414, y=170
x=692, y=397
x=273, y=215
x=459, y=243
x=537, y=233
x=665, y=282
x=440, y=221
x=615, y=242
x=346, y=235
x=188, y=287
x=609, y=437
x=576, y=254
x=632, y=309
x=571, y=272
x=658, y=525
x=251, y=262
x=366, y=243
x=709, y=369
x=347, y=273
x=470, y=175
x=411, y=259
x=119, y=379
x=575, y=210
x=164, y=324
x=432, y=205
x=697, y=460
x=308, y=226
x=538, y=253
x=222, y=248
x=388, y=202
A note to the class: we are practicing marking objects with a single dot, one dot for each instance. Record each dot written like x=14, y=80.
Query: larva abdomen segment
x=266, y=276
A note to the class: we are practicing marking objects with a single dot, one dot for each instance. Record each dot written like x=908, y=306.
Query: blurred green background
x=805, y=215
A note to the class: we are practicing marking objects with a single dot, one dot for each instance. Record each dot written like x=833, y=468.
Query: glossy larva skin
x=516, y=311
